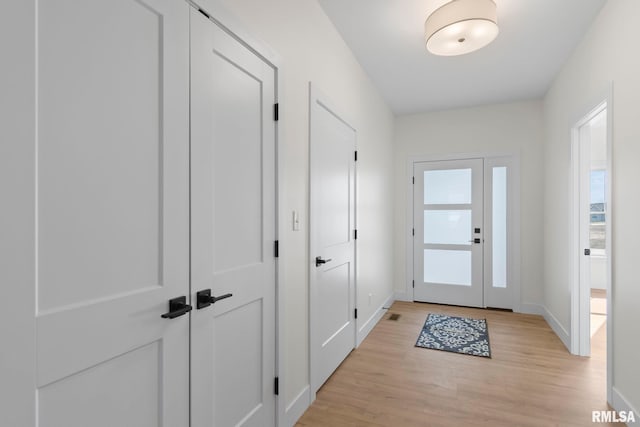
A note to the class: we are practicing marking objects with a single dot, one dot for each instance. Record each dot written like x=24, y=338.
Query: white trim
x=297, y=407
x=603, y=101
x=282, y=224
x=368, y=326
x=552, y=321
x=557, y=327
x=403, y=296
x=514, y=238
x=219, y=14
x=620, y=403
x=408, y=283
x=18, y=219
x=528, y=308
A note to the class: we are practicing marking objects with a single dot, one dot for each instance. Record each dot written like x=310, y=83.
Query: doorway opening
x=591, y=248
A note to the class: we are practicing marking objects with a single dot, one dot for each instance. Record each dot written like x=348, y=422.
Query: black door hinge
x=204, y=13
x=355, y=157
x=276, y=248
x=413, y=179
x=413, y=283
x=355, y=313
x=276, y=386
x=413, y=231
x=355, y=234
x=276, y=112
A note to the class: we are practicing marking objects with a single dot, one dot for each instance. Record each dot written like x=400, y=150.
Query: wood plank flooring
x=531, y=379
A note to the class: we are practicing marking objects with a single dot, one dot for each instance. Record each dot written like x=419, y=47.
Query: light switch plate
x=295, y=221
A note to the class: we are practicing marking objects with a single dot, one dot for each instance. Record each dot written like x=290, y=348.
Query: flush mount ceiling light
x=461, y=26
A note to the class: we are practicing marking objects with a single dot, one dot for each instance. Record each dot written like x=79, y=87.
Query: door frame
x=317, y=96
x=580, y=338
x=221, y=16
x=18, y=223
x=513, y=195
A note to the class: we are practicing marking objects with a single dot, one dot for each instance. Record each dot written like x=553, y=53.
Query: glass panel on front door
x=446, y=187
x=499, y=227
x=447, y=267
x=447, y=227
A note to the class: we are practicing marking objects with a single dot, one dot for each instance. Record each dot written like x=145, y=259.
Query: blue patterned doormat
x=455, y=334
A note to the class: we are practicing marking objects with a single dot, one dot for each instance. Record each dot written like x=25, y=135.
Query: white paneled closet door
x=232, y=231
x=112, y=213
x=139, y=195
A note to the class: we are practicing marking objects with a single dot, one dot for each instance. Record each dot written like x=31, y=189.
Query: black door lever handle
x=320, y=261
x=204, y=298
x=177, y=307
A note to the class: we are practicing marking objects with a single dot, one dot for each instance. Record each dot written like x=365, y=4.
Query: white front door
x=448, y=232
x=332, y=228
x=232, y=231
x=112, y=213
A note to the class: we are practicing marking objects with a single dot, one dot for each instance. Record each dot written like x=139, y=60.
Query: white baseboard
x=551, y=320
x=368, y=326
x=557, y=328
x=528, y=308
x=402, y=296
x=296, y=408
x=620, y=404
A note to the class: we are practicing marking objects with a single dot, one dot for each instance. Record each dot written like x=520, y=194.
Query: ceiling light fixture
x=461, y=26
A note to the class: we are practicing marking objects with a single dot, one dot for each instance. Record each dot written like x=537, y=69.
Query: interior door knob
x=320, y=261
x=205, y=299
x=177, y=307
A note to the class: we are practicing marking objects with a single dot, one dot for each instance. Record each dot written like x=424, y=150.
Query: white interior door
x=232, y=231
x=448, y=232
x=332, y=225
x=112, y=213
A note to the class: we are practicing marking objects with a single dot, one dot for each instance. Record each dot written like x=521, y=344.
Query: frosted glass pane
x=447, y=187
x=499, y=227
x=447, y=267
x=447, y=227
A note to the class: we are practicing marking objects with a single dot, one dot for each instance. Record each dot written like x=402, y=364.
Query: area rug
x=455, y=334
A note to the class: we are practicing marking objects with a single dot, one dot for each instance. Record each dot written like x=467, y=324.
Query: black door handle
x=177, y=307
x=320, y=261
x=204, y=298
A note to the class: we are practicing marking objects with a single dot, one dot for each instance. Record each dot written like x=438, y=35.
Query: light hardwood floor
x=531, y=379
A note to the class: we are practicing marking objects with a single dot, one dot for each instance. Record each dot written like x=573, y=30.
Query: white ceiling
x=387, y=37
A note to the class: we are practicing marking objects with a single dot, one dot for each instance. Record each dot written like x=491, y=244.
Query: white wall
x=608, y=53
x=503, y=128
x=312, y=50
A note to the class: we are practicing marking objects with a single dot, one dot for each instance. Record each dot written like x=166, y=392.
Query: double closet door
x=155, y=181
x=462, y=236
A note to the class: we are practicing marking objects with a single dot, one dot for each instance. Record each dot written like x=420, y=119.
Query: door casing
x=579, y=333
